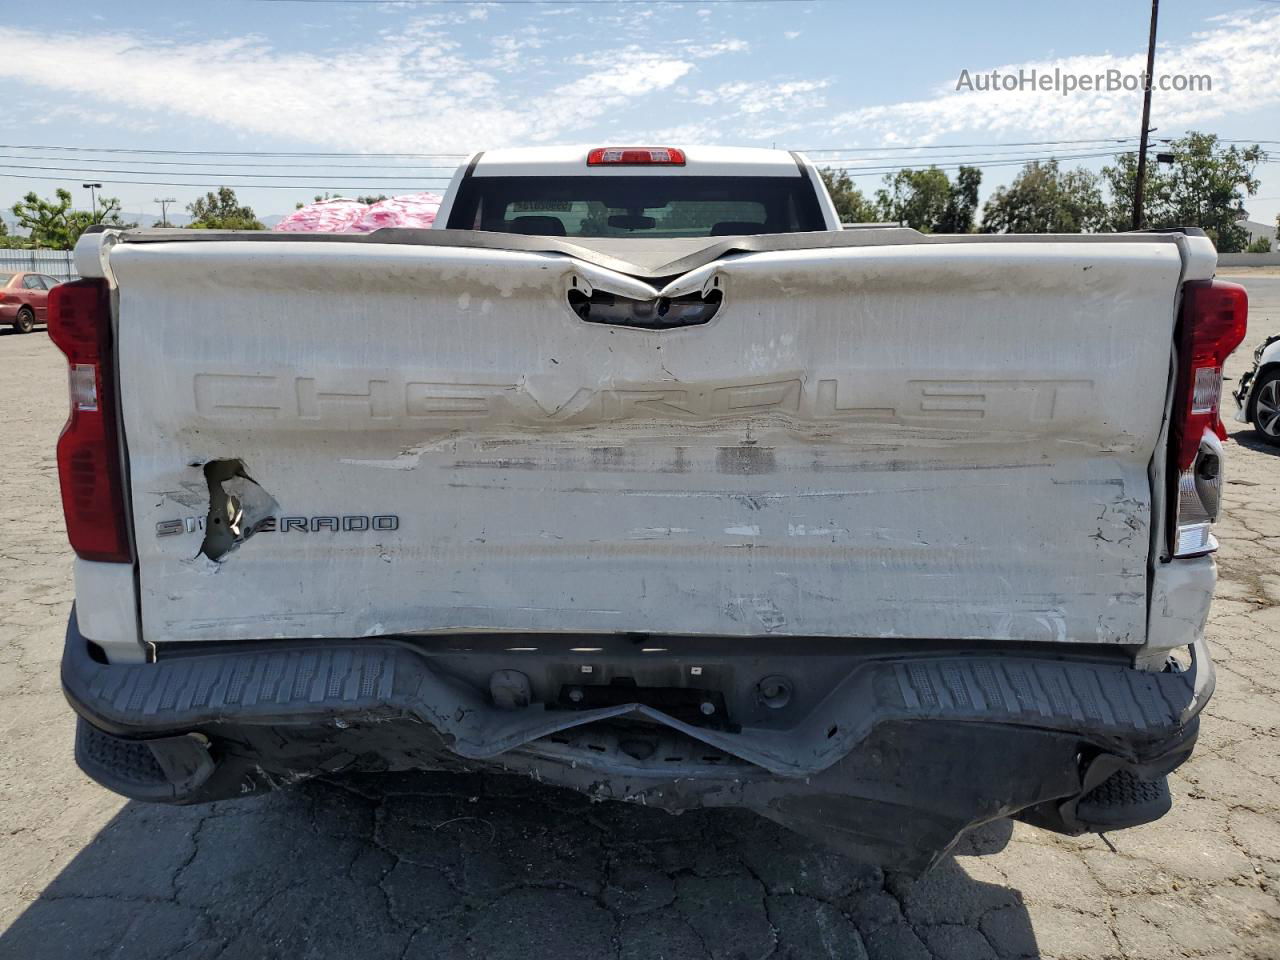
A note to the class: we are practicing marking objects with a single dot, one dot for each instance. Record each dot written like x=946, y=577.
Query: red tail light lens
x=89, y=469
x=1212, y=324
x=1214, y=321
x=635, y=157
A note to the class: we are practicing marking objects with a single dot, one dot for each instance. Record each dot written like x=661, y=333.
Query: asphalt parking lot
x=410, y=866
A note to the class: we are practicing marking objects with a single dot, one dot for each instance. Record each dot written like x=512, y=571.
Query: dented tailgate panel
x=934, y=441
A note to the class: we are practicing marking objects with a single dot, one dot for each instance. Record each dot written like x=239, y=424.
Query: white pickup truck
x=642, y=477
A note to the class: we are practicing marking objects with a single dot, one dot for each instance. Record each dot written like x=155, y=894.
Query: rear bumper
x=902, y=756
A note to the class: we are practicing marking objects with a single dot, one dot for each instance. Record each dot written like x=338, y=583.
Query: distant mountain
x=151, y=219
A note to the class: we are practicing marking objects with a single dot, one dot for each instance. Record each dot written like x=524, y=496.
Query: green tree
x=1121, y=179
x=49, y=223
x=222, y=211
x=851, y=205
x=54, y=224
x=8, y=242
x=963, y=203
x=1261, y=245
x=108, y=214
x=1205, y=187
x=318, y=198
x=1044, y=199
x=929, y=201
x=368, y=200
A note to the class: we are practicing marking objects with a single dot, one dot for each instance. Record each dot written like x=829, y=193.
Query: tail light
x=635, y=157
x=1213, y=323
x=89, y=469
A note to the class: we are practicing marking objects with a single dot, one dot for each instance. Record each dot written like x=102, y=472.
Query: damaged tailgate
x=943, y=441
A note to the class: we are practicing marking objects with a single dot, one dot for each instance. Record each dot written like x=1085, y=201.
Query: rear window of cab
x=642, y=206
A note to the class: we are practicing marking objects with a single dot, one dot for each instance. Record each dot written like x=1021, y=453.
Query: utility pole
x=1141, y=185
x=93, y=197
x=164, y=208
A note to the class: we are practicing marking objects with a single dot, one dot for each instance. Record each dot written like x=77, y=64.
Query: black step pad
x=161, y=769
x=1124, y=800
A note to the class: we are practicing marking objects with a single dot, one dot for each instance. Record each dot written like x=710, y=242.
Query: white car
x=640, y=476
x=1258, y=394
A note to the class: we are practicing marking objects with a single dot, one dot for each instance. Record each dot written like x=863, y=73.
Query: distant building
x=1257, y=230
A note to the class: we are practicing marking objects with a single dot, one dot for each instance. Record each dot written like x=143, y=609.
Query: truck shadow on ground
x=489, y=867
x=1252, y=439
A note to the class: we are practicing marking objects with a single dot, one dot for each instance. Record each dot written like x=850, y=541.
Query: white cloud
x=756, y=97
x=409, y=91
x=701, y=51
x=764, y=111
x=641, y=75
x=420, y=88
x=1241, y=53
x=512, y=52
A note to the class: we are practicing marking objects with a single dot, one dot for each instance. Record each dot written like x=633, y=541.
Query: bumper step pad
x=164, y=769
x=1124, y=800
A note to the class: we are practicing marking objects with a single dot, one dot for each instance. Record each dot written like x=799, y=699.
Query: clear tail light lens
x=89, y=468
x=1213, y=323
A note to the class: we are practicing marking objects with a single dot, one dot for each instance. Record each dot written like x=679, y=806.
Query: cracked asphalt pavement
x=409, y=866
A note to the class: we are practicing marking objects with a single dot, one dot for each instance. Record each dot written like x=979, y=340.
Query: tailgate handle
x=616, y=300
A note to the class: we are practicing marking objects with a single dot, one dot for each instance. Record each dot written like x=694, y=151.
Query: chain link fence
x=58, y=264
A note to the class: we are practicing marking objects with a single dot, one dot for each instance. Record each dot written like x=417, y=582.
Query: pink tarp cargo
x=350, y=216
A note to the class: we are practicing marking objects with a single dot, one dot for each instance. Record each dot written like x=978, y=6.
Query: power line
x=408, y=168
x=848, y=164
x=231, y=153
x=957, y=146
x=855, y=172
x=100, y=166
x=998, y=160
x=970, y=159
x=204, y=185
x=423, y=183
x=1014, y=162
x=853, y=166
x=251, y=166
x=1025, y=143
x=209, y=167
x=206, y=173
x=460, y=156
x=880, y=172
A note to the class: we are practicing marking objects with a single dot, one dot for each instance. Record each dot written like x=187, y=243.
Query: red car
x=22, y=299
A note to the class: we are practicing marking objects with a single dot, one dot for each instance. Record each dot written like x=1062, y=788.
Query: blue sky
x=863, y=79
